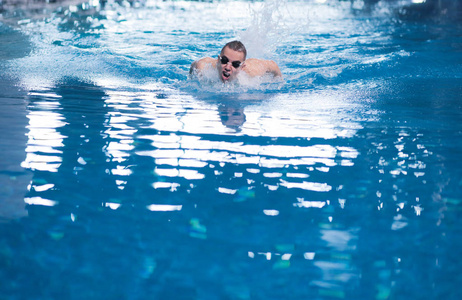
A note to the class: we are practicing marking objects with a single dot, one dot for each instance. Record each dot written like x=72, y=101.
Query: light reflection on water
x=340, y=183
x=182, y=125
x=44, y=139
x=187, y=146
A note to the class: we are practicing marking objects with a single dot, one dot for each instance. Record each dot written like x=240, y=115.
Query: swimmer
x=231, y=61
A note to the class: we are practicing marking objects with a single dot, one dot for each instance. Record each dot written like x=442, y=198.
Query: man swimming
x=231, y=61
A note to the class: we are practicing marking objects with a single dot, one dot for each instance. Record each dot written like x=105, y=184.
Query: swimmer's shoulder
x=259, y=67
x=203, y=64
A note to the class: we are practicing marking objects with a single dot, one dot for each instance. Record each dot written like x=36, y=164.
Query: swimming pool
x=123, y=179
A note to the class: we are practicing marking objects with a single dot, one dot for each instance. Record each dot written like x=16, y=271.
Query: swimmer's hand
x=259, y=67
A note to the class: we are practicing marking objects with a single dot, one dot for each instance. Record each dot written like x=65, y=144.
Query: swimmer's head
x=236, y=46
x=230, y=60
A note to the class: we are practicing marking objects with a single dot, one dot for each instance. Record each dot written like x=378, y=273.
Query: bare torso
x=253, y=67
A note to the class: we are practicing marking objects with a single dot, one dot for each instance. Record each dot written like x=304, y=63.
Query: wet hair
x=236, y=46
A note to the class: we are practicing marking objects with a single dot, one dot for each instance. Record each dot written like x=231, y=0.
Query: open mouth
x=226, y=75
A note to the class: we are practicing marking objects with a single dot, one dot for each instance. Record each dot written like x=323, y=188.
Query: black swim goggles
x=224, y=60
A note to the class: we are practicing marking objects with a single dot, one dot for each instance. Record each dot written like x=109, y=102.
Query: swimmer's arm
x=259, y=67
x=273, y=68
x=200, y=65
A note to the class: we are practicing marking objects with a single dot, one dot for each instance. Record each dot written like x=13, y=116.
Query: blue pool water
x=121, y=178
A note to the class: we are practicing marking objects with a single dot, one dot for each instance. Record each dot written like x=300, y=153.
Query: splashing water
x=124, y=178
x=271, y=23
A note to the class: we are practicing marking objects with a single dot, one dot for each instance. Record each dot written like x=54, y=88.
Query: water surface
x=123, y=179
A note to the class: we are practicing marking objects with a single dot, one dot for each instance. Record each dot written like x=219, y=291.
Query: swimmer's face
x=229, y=63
